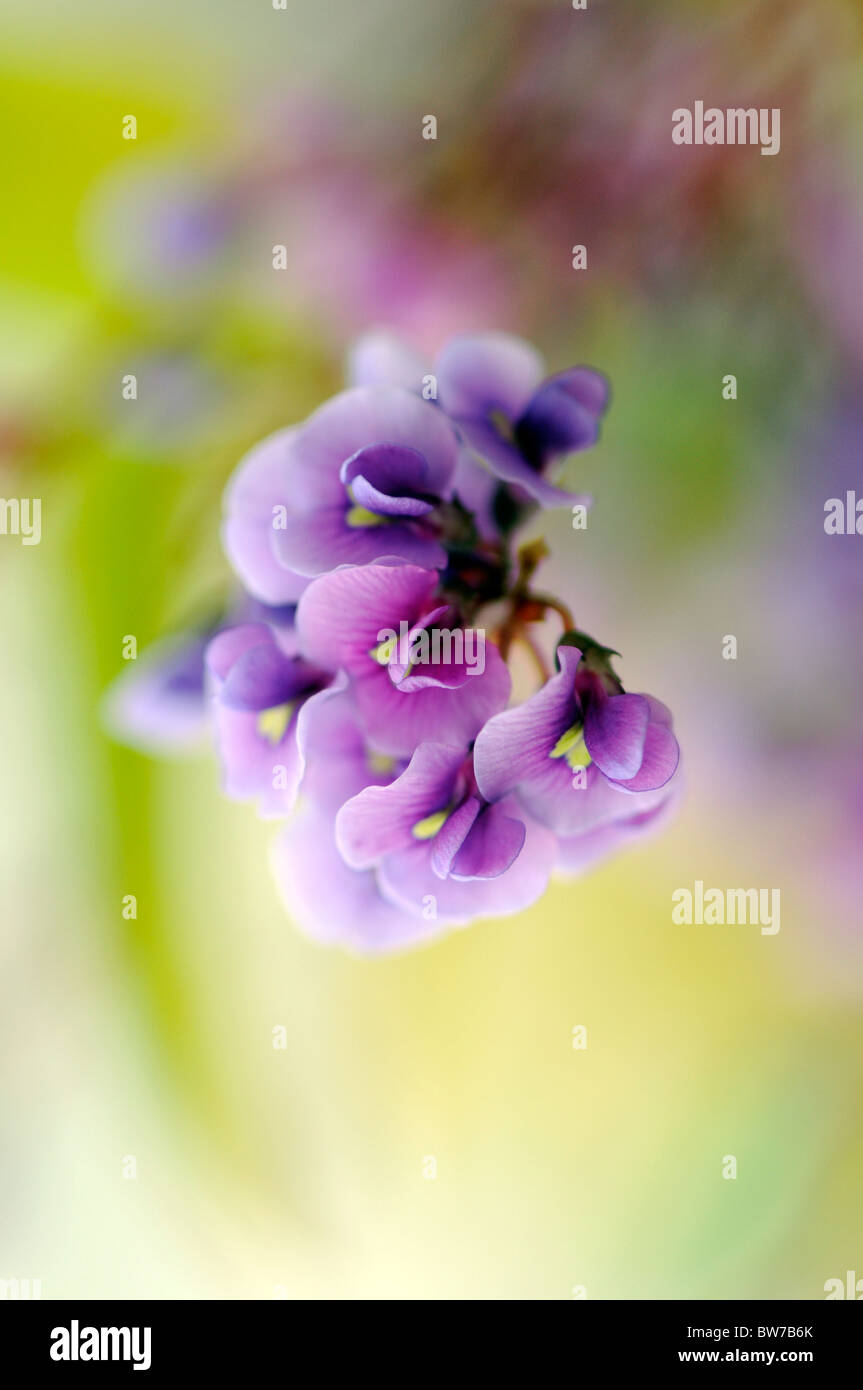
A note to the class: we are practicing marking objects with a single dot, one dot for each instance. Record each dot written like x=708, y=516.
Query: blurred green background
x=303, y=1172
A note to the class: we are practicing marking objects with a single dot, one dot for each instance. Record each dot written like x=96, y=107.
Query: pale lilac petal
x=260, y=483
x=381, y=819
x=380, y=358
x=337, y=761
x=489, y=372
x=515, y=746
x=313, y=545
x=578, y=853
x=408, y=879
x=659, y=713
x=377, y=415
x=476, y=488
x=229, y=645
x=252, y=766
x=157, y=704
x=336, y=904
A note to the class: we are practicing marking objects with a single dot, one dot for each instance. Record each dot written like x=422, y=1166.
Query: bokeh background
x=303, y=1172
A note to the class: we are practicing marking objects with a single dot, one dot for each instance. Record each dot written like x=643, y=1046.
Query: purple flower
x=328, y=898
x=366, y=620
x=157, y=704
x=335, y=750
x=379, y=358
x=492, y=386
x=358, y=481
x=519, y=424
x=629, y=822
x=372, y=538
x=259, y=689
x=247, y=530
x=436, y=842
x=573, y=751
x=334, y=903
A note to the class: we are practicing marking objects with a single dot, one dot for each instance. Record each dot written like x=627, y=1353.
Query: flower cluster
x=359, y=694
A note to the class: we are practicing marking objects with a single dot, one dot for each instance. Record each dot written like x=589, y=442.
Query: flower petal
x=368, y=415
x=398, y=721
x=494, y=843
x=486, y=373
x=382, y=819
x=380, y=358
x=313, y=545
x=615, y=728
x=515, y=746
x=563, y=415
x=340, y=616
x=408, y=880
x=388, y=480
x=254, y=768
x=508, y=464
x=659, y=764
x=260, y=482
x=334, y=903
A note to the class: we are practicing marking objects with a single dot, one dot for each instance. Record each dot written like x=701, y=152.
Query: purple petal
x=511, y=467
x=392, y=470
x=314, y=544
x=514, y=747
x=397, y=722
x=476, y=488
x=494, y=843
x=486, y=373
x=380, y=358
x=578, y=807
x=341, y=614
x=444, y=643
x=563, y=416
x=252, y=766
x=451, y=837
x=365, y=494
x=389, y=480
x=615, y=728
x=263, y=678
x=578, y=853
x=334, y=903
x=381, y=819
x=228, y=646
x=260, y=483
x=157, y=703
x=376, y=415
x=661, y=756
x=333, y=747
x=408, y=879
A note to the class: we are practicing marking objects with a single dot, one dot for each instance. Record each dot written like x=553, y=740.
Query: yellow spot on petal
x=380, y=762
x=503, y=425
x=571, y=746
x=272, y=723
x=361, y=516
x=385, y=652
x=428, y=828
